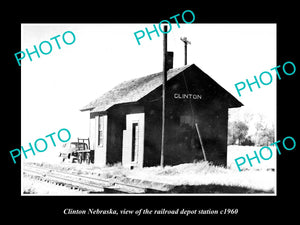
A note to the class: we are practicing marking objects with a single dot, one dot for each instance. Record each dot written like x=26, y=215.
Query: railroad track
x=89, y=184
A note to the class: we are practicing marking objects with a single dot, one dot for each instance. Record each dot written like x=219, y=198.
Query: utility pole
x=185, y=40
x=164, y=80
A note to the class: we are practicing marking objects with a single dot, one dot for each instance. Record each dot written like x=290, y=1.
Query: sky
x=56, y=86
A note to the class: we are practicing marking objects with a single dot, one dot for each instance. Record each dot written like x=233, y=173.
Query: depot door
x=133, y=141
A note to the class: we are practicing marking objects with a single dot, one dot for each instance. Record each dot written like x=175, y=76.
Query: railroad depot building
x=126, y=122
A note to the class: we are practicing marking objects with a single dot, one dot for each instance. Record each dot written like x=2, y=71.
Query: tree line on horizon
x=250, y=129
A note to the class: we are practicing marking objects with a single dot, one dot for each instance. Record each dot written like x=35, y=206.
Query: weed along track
x=83, y=183
x=192, y=178
x=62, y=179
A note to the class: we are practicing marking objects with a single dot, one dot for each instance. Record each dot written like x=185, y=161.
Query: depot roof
x=135, y=89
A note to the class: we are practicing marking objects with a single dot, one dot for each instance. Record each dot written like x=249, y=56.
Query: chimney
x=170, y=56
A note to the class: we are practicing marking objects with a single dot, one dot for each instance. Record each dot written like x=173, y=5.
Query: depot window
x=100, y=131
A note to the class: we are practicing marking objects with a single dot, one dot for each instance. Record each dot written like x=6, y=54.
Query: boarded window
x=100, y=131
x=186, y=119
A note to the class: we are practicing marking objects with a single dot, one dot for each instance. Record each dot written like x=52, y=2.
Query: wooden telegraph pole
x=185, y=40
x=164, y=80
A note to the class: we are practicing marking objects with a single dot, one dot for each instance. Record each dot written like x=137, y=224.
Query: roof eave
x=86, y=109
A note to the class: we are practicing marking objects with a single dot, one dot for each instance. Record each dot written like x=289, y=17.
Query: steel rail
x=88, y=183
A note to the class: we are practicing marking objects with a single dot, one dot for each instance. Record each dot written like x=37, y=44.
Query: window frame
x=100, y=140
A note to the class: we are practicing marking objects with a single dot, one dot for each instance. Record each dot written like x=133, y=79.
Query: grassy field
x=204, y=173
x=235, y=151
x=198, y=177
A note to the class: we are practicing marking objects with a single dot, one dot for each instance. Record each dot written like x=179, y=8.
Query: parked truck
x=78, y=152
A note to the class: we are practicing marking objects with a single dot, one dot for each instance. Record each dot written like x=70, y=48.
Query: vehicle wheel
x=80, y=158
x=88, y=158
